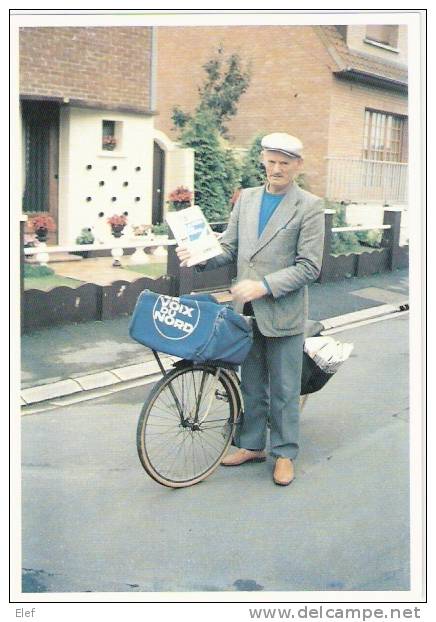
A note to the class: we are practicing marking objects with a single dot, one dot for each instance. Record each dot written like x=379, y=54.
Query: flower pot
x=178, y=205
x=42, y=234
x=117, y=230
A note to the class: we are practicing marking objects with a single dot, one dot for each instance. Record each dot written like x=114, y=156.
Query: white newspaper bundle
x=327, y=353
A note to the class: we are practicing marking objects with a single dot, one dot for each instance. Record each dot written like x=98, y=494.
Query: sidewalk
x=64, y=353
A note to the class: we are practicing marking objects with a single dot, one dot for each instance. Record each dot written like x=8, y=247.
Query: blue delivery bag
x=193, y=327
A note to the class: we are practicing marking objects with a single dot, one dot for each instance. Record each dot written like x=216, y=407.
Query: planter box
x=372, y=262
x=339, y=267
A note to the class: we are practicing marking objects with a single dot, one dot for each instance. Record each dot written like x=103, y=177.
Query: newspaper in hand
x=327, y=353
x=191, y=229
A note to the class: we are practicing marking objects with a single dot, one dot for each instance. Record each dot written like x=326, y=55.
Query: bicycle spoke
x=162, y=457
x=201, y=440
x=208, y=441
x=175, y=457
x=170, y=406
x=156, y=445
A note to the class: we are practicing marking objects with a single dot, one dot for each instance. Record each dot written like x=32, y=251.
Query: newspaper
x=327, y=353
x=191, y=229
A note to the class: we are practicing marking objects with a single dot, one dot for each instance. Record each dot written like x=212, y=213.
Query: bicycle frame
x=220, y=368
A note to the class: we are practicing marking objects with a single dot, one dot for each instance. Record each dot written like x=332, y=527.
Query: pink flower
x=117, y=220
x=42, y=221
x=181, y=195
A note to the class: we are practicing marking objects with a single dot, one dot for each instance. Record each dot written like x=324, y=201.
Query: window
x=385, y=137
x=383, y=34
x=111, y=135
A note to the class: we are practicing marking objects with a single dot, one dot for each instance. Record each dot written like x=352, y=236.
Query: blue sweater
x=267, y=209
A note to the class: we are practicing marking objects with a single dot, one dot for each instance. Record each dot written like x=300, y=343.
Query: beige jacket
x=288, y=255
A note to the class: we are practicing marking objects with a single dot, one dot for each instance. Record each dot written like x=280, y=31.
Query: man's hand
x=248, y=290
x=184, y=255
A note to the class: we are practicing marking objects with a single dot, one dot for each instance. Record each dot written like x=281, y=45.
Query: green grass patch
x=44, y=278
x=33, y=272
x=153, y=270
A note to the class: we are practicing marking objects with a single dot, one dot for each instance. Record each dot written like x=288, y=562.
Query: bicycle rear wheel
x=186, y=425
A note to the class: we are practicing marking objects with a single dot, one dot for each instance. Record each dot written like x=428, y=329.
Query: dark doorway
x=158, y=183
x=41, y=159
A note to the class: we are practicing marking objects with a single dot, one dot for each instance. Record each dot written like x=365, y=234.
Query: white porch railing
x=42, y=252
x=361, y=181
x=116, y=244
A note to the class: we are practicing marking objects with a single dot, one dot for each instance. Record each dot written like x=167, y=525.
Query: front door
x=158, y=183
x=41, y=161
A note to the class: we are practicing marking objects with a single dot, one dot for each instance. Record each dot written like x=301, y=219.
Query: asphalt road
x=93, y=521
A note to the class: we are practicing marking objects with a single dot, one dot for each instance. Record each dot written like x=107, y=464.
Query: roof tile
x=352, y=60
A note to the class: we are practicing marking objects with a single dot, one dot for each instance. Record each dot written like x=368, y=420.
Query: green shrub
x=35, y=272
x=353, y=242
x=86, y=237
x=216, y=172
x=215, y=169
x=371, y=238
x=232, y=175
x=161, y=228
x=252, y=171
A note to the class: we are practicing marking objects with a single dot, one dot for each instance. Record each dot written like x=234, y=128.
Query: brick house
x=341, y=89
x=89, y=145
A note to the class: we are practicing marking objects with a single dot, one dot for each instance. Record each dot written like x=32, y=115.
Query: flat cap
x=285, y=143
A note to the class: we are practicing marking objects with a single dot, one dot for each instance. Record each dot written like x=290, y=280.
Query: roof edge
x=86, y=104
x=371, y=78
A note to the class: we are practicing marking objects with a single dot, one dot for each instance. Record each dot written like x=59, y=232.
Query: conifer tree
x=216, y=172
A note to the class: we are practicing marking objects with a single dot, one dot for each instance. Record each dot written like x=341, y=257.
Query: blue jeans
x=270, y=384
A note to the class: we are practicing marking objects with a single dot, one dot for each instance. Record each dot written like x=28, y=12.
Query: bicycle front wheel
x=186, y=425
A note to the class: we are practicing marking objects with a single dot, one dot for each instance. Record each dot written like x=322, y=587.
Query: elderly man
x=276, y=236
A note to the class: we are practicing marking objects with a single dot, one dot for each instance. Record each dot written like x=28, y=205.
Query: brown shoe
x=243, y=455
x=283, y=472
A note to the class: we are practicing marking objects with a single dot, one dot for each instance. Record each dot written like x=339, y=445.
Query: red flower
x=117, y=220
x=42, y=221
x=181, y=195
x=109, y=140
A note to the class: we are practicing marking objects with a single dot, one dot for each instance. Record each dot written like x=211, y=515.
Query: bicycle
x=190, y=417
x=188, y=421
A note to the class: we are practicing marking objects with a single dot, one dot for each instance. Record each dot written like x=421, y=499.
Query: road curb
x=91, y=382
x=138, y=371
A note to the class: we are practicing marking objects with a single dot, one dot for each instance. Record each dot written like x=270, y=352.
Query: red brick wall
x=290, y=87
x=347, y=119
x=101, y=66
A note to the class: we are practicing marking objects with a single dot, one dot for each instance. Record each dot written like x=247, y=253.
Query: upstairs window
x=383, y=34
x=385, y=137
